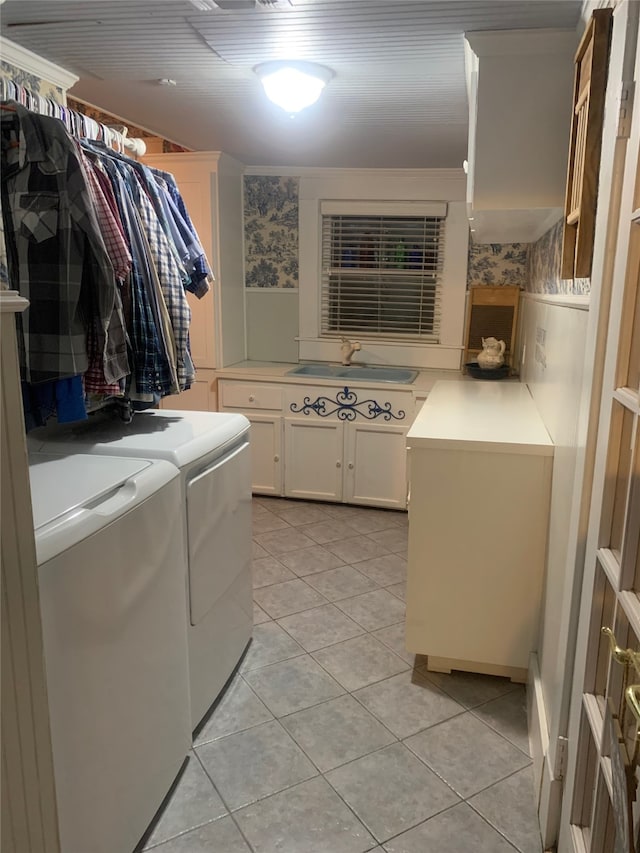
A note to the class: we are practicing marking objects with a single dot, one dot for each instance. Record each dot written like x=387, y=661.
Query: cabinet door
x=199, y=398
x=193, y=177
x=266, y=454
x=313, y=462
x=376, y=465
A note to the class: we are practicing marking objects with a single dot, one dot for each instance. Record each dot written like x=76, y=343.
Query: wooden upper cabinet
x=590, y=80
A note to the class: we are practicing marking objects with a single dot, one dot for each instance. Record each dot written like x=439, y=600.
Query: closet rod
x=76, y=123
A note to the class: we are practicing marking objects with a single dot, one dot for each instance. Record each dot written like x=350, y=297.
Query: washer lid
x=178, y=437
x=60, y=484
x=75, y=496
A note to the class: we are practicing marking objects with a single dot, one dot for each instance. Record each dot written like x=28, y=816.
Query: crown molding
x=30, y=62
x=11, y=302
x=333, y=172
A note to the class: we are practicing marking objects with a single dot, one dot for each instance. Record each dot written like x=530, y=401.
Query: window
x=381, y=276
x=401, y=291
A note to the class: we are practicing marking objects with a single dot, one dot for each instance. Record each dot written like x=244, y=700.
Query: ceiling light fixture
x=293, y=85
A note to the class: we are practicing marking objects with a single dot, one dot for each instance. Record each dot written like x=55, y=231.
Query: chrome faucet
x=347, y=349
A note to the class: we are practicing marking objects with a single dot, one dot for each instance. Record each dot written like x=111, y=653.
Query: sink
x=402, y=375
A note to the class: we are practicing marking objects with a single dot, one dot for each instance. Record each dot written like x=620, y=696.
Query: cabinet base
x=515, y=673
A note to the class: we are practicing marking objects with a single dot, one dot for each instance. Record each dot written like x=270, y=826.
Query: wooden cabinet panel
x=313, y=459
x=250, y=395
x=591, y=63
x=480, y=463
x=375, y=465
x=190, y=176
x=266, y=454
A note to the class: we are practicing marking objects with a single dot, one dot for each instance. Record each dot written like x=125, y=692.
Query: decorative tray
x=474, y=369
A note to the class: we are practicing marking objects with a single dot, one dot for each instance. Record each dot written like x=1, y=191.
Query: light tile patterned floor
x=332, y=738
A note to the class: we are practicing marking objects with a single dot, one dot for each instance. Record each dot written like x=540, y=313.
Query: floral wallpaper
x=544, y=267
x=31, y=82
x=271, y=231
x=497, y=263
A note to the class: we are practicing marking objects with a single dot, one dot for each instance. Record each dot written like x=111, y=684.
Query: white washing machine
x=211, y=450
x=110, y=552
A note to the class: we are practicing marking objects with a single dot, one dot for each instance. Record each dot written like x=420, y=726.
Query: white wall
x=272, y=324
x=553, y=336
x=228, y=216
x=552, y=350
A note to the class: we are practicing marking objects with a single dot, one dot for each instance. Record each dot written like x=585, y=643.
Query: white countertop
x=496, y=416
x=277, y=372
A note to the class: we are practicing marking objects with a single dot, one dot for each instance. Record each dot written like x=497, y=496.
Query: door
x=593, y=819
x=218, y=528
x=376, y=465
x=193, y=177
x=266, y=454
x=313, y=463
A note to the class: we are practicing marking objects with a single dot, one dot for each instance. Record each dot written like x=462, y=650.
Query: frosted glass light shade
x=293, y=86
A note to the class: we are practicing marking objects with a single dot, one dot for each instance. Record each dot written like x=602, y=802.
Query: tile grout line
x=351, y=693
x=230, y=813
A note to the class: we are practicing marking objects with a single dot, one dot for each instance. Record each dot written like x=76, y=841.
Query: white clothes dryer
x=212, y=452
x=109, y=545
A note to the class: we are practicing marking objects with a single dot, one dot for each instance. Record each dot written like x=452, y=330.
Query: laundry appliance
x=111, y=570
x=212, y=452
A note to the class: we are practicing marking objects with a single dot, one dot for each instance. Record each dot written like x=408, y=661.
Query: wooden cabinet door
x=193, y=177
x=376, y=465
x=266, y=454
x=313, y=459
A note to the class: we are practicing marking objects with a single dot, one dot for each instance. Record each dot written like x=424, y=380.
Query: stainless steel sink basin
x=402, y=375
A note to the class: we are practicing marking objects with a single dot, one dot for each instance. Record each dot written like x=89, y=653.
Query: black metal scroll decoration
x=347, y=407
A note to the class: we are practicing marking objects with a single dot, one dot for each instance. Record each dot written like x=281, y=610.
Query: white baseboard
x=548, y=788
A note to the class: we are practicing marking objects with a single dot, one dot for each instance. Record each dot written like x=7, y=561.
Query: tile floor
x=331, y=738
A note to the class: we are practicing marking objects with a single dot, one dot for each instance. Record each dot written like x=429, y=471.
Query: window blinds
x=382, y=275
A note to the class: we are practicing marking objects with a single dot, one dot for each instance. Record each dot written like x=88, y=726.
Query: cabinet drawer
x=250, y=395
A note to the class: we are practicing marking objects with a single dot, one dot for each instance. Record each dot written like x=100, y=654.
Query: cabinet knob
x=338, y=464
x=276, y=458
x=252, y=399
x=350, y=466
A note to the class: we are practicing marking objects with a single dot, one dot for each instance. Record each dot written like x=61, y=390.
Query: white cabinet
x=520, y=94
x=325, y=442
x=211, y=185
x=480, y=473
x=261, y=402
x=376, y=465
x=358, y=463
x=266, y=453
x=313, y=459
x=349, y=444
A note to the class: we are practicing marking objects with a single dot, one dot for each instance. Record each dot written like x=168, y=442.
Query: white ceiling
x=398, y=98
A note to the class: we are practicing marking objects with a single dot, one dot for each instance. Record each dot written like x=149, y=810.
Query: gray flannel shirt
x=56, y=256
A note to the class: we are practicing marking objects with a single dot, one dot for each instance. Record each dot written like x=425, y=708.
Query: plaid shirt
x=153, y=372
x=56, y=256
x=170, y=280
x=201, y=273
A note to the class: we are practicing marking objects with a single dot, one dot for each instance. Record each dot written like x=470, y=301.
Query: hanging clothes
x=55, y=252
x=103, y=248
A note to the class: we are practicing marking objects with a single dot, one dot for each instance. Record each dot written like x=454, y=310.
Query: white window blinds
x=382, y=275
